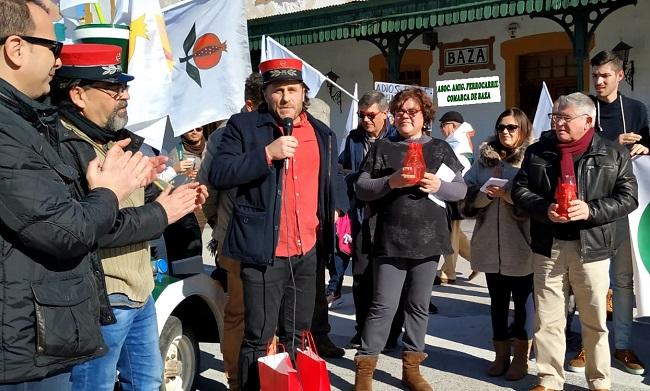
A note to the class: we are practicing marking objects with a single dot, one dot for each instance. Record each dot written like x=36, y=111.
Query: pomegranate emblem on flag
x=206, y=52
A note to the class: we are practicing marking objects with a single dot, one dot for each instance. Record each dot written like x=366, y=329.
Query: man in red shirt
x=282, y=162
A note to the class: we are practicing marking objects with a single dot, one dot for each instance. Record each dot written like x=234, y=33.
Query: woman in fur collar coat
x=501, y=237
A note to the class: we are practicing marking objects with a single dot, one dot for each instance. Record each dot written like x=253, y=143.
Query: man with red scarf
x=573, y=249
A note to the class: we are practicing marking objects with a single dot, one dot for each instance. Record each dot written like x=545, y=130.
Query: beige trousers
x=589, y=281
x=233, y=321
x=461, y=245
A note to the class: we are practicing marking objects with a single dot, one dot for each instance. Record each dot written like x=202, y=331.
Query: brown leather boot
x=501, y=360
x=363, y=375
x=519, y=365
x=411, y=377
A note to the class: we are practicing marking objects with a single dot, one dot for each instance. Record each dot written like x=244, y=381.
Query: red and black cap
x=281, y=69
x=91, y=61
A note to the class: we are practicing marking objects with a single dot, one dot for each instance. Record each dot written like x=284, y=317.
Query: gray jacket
x=501, y=239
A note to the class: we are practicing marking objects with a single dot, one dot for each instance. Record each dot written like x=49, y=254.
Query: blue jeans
x=133, y=350
x=60, y=382
x=622, y=276
x=337, y=270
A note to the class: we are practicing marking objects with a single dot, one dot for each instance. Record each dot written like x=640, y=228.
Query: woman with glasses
x=412, y=231
x=501, y=237
x=183, y=238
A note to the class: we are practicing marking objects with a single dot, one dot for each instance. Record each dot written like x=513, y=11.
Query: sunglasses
x=371, y=116
x=54, y=46
x=511, y=127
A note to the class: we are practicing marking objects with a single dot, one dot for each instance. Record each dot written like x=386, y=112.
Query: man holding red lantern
x=573, y=248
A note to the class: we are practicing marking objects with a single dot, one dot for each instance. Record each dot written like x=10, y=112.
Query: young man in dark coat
x=282, y=162
x=49, y=303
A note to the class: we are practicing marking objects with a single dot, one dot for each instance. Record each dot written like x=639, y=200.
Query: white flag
x=640, y=237
x=312, y=77
x=353, y=117
x=209, y=39
x=150, y=62
x=541, y=122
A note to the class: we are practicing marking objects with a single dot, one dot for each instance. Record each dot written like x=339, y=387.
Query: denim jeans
x=133, y=350
x=337, y=270
x=60, y=382
x=622, y=276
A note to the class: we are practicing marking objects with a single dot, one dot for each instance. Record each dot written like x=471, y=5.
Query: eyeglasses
x=54, y=46
x=557, y=117
x=114, y=90
x=371, y=116
x=195, y=130
x=410, y=112
x=511, y=128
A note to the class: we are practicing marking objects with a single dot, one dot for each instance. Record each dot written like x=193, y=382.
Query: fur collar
x=491, y=151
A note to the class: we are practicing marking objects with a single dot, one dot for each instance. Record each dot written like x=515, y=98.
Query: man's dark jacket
x=240, y=162
x=132, y=225
x=49, y=306
x=605, y=181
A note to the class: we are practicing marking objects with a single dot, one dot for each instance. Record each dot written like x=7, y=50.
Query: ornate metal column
x=393, y=46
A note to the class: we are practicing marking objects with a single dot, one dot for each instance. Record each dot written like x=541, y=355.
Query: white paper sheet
x=500, y=182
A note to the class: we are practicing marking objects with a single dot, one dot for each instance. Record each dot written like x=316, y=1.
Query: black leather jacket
x=605, y=181
x=49, y=304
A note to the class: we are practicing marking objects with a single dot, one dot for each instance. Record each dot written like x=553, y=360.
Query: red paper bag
x=277, y=372
x=312, y=369
x=414, y=164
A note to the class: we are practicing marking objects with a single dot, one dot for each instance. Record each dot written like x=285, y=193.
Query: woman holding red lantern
x=502, y=238
x=399, y=180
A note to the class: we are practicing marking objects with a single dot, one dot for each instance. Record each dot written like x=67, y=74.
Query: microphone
x=287, y=125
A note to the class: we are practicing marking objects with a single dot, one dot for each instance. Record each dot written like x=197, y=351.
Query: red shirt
x=299, y=211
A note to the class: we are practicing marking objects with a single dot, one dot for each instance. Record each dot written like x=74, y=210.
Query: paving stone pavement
x=458, y=344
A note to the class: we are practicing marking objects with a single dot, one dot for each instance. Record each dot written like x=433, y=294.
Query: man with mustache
x=283, y=214
x=91, y=93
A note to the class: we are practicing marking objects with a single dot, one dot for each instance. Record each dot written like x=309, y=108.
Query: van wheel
x=180, y=354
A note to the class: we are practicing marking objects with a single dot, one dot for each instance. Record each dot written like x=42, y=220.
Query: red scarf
x=571, y=149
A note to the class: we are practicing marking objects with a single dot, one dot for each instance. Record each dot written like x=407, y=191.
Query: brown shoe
x=363, y=374
x=473, y=275
x=542, y=388
x=519, y=365
x=578, y=363
x=629, y=361
x=501, y=361
x=610, y=305
x=411, y=376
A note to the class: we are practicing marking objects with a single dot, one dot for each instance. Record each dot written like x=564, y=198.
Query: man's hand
x=398, y=180
x=495, y=191
x=121, y=172
x=182, y=200
x=430, y=183
x=158, y=166
x=628, y=138
x=639, y=149
x=553, y=216
x=578, y=210
x=282, y=148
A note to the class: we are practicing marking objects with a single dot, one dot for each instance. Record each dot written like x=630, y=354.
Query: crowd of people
x=81, y=204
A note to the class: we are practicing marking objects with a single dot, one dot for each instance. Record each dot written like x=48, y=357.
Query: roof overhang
x=375, y=17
